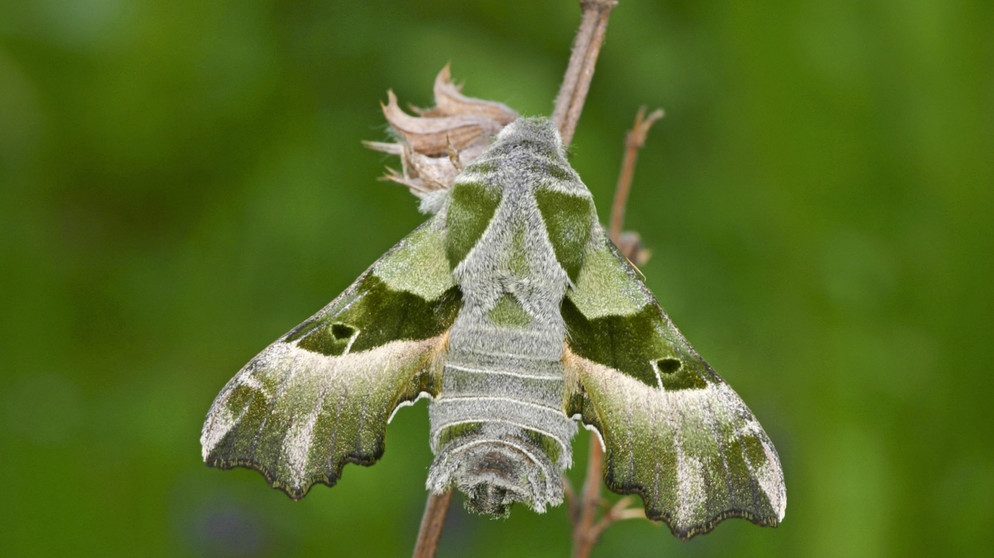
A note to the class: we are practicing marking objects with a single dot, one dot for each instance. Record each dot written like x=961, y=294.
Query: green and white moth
x=515, y=314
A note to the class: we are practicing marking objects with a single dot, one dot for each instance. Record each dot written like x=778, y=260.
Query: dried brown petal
x=437, y=143
x=432, y=135
x=449, y=100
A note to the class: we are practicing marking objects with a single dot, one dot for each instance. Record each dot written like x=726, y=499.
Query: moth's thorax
x=505, y=243
x=498, y=427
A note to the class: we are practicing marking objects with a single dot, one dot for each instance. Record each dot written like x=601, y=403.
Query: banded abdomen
x=498, y=429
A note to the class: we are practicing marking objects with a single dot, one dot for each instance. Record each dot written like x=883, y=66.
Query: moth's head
x=533, y=130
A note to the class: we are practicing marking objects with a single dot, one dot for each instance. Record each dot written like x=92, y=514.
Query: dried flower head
x=438, y=142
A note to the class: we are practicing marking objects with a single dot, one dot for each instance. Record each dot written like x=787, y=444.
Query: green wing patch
x=568, y=219
x=612, y=319
x=379, y=315
x=321, y=396
x=471, y=207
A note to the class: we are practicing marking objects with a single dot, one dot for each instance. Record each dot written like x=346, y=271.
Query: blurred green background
x=182, y=182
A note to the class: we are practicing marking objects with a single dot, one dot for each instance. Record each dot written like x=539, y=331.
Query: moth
x=515, y=314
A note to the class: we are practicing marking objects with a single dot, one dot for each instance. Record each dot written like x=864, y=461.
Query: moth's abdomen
x=499, y=432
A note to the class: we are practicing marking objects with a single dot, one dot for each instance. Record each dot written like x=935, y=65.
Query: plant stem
x=579, y=72
x=431, y=524
x=634, y=141
x=584, y=533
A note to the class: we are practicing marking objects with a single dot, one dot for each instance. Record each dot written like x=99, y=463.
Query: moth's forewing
x=321, y=395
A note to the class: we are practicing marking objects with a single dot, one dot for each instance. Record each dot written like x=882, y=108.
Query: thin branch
x=634, y=141
x=585, y=534
x=572, y=502
x=620, y=511
x=583, y=58
x=431, y=524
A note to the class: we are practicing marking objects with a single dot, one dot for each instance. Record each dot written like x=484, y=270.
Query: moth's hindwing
x=321, y=395
x=674, y=432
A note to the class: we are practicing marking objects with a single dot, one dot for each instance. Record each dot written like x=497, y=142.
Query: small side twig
x=431, y=524
x=621, y=510
x=634, y=141
x=580, y=71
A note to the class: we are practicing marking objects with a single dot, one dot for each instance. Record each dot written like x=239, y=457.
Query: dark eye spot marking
x=342, y=331
x=669, y=365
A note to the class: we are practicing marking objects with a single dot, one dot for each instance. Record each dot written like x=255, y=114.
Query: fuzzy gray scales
x=508, y=378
